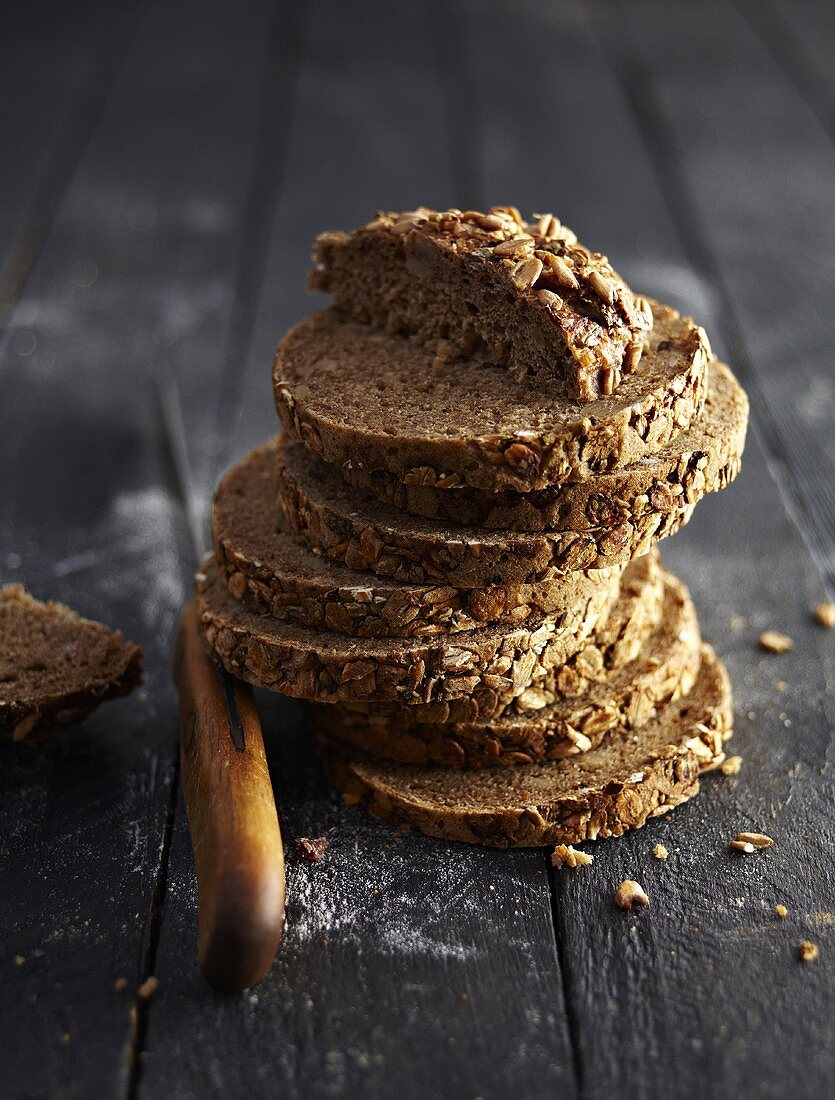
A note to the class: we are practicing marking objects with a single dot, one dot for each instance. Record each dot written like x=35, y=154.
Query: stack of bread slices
x=450, y=552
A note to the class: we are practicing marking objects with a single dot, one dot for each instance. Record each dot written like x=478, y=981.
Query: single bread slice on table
x=474, y=673
x=596, y=794
x=365, y=533
x=526, y=295
x=55, y=667
x=538, y=725
x=275, y=574
x=355, y=394
x=703, y=459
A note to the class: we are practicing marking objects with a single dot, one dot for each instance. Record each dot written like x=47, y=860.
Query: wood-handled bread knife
x=232, y=817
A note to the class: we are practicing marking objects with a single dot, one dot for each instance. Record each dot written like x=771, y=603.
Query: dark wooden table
x=164, y=169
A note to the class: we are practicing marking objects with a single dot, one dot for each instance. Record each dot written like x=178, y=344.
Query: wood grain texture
x=57, y=68
x=87, y=518
x=683, y=998
x=407, y=966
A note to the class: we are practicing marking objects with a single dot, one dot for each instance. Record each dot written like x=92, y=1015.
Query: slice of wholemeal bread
x=356, y=395
x=365, y=533
x=56, y=667
x=601, y=793
x=703, y=459
x=536, y=727
x=471, y=674
x=273, y=573
x=528, y=296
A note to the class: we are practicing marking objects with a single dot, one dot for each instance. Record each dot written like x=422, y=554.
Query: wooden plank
x=683, y=998
x=57, y=65
x=409, y=967
x=151, y=222
x=800, y=34
x=746, y=163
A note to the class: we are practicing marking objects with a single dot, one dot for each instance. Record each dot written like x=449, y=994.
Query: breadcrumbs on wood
x=781, y=911
x=566, y=856
x=660, y=852
x=19, y=960
x=825, y=615
x=731, y=766
x=772, y=641
x=120, y=985
x=312, y=850
x=629, y=894
x=781, y=685
x=751, y=842
x=809, y=951
x=148, y=988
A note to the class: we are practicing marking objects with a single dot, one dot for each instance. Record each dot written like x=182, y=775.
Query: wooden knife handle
x=232, y=817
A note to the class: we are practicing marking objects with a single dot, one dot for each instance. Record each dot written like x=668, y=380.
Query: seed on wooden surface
x=630, y=894
x=731, y=766
x=751, y=842
x=809, y=951
x=781, y=911
x=564, y=855
x=313, y=850
x=148, y=988
x=825, y=615
x=774, y=642
x=660, y=852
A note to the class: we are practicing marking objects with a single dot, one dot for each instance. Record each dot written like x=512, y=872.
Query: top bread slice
x=703, y=459
x=56, y=667
x=526, y=296
x=357, y=395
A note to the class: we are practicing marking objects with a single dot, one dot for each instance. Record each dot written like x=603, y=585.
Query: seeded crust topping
x=587, y=797
x=274, y=574
x=573, y=326
x=563, y=715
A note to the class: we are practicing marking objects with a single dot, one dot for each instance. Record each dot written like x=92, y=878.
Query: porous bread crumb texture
x=487, y=667
x=525, y=295
x=356, y=395
x=273, y=573
x=55, y=667
x=595, y=795
x=703, y=459
x=367, y=534
x=566, y=856
x=543, y=723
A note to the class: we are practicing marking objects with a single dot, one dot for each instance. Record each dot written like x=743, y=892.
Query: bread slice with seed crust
x=529, y=296
x=538, y=725
x=349, y=526
x=597, y=794
x=275, y=574
x=355, y=394
x=55, y=667
x=474, y=673
x=703, y=459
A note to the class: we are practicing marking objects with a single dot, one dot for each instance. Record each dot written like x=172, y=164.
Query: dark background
x=165, y=167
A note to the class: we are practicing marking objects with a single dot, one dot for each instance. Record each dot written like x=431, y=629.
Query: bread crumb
x=781, y=685
x=65, y=1039
x=120, y=985
x=751, y=842
x=809, y=951
x=148, y=988
x=825, y=615
x=19, y=960
x=630, y=894
x=781, y=911
x=566, y=856
x=731, y=766
x=774, y=642
x=312, y=850
x=660, y=852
